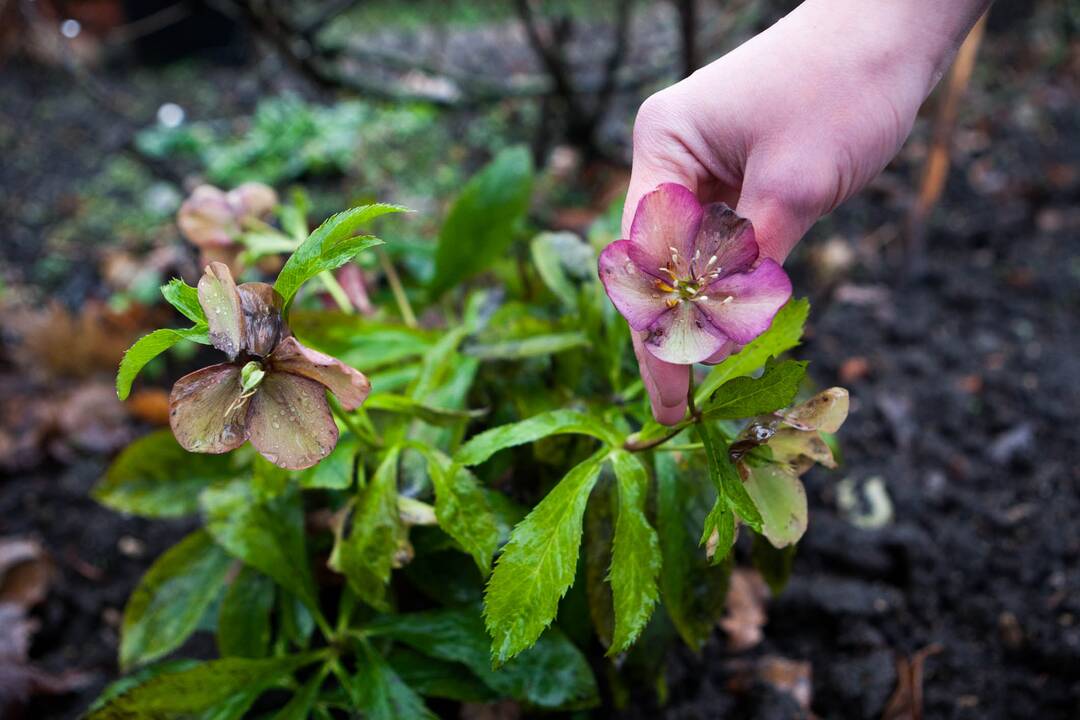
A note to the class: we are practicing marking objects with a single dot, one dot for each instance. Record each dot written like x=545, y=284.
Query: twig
x=936, y=167
x=397, y=288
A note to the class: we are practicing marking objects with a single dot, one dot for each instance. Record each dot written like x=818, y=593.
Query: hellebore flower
x=272, y=390
x=212, y=219
x=689, y=277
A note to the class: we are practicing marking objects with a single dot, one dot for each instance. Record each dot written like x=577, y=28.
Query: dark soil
x=964, y=401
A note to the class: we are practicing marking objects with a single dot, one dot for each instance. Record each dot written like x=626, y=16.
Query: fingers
x=667, y=384
x=782, y=205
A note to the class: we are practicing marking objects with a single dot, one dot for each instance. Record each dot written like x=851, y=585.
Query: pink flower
x=689, y=281
x=212, y=220
x=273, y=389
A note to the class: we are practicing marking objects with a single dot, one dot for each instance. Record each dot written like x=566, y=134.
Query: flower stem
x=350, y=422
x=397, y=288
x=334, y=289
x=691, y=405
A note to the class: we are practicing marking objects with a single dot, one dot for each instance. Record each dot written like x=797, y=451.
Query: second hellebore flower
x=273, y=389
x=689, y=280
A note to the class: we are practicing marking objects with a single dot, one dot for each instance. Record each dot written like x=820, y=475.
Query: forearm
x=900, y=35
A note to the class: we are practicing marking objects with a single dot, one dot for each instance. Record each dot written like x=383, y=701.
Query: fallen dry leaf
x=906, y=702
x=791, y=677
x=25, y=572
x=746, y=615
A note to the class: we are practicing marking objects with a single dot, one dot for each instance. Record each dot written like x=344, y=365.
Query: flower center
x=685, y=281
x=250, y=376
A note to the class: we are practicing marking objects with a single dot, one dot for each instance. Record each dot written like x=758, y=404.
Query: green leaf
x=437, y=678
x=745, y=397
x=725, y=477
x=462, y=509
x=556, y=422
x=357, y=340
x=174, y=593
x=535, y=346
x=635, y=558
x=184, y=298
x=149, y=347
x=549, y=264
x=381, y=694
x=779, y=494
x=365, y=553
x=782, y=335
x=330, y=246
x=269, y=536
x=482, y=222
x=118, y=687
x=155, y=477
x=336, y=470
x=198, y=689
x=407, y=406
x=552, y=674
x=773, y=564
x=537, y=565
x=721, y=521
x=243, y=627
x=693, y=591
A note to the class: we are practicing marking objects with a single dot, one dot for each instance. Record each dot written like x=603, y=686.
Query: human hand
x=789, y=125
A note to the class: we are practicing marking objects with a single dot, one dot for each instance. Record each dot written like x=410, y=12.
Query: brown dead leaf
x=151, y=405
x=747, y=593
x=906, y=702
x=55, y=343
x=791, y=677
x=93, y=419
x=25, y=572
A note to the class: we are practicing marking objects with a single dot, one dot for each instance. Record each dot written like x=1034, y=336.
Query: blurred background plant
x=962, y=371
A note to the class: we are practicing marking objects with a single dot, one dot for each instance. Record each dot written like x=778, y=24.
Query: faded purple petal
x=756, y=297
x=349, y=384
x=221, y=303
x=290, y=421
x=727, y=237
x=351, y=279
x=260, y=306
x=252, y=200
x=683, y=335
x=632, y=290
x=667, y=384
x=668, y=217
x=205, y=410
x=206, y=218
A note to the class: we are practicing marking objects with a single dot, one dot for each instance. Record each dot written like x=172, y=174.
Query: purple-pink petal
x=683, y=335
x=727, y=237
x=668, y=217
x=667, y=384
x=349, y=384
x=220, y=301
x=206, y=412
x=290, y=422
x=756, y=297
x=632, y=289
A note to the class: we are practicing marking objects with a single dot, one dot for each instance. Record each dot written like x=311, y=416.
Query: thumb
x=779, y=223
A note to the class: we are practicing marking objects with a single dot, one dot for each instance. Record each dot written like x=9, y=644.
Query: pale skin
x=792, y=123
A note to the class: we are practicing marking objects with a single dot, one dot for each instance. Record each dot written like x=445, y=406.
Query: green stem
x=396, y=287
x=333, y=287
x=349, y=422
